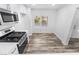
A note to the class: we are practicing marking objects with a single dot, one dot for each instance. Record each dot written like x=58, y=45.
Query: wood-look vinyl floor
x=49, y=43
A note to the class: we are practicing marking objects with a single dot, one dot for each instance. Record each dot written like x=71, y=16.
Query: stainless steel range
x=17, y=37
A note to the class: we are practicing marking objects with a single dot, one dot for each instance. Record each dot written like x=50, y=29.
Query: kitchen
x=37, y=28
x=12, y=42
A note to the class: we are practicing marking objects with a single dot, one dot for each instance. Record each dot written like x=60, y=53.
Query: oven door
x=22, y=46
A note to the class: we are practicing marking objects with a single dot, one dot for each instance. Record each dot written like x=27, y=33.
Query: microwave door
x=6, y=17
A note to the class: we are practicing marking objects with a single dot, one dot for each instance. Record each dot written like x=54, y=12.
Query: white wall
x=64, y=23
x=51, y=20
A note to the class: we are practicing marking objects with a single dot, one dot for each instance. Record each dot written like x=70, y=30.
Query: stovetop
x=12, y=37
x=16, y=34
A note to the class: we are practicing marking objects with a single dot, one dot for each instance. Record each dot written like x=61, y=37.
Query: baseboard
x=63, y=42
x=58, y=37
x=42, y=32
x=30, y=34
x=74, y=38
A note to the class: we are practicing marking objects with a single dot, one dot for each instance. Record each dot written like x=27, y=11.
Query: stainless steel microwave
x=7, y=18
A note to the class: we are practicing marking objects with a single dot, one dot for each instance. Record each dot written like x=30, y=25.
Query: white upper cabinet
x=14, y=7
x=4, y=6
x=19, y=8
x=24, y=9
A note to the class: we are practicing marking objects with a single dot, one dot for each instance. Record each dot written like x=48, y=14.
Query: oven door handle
x=22, y=40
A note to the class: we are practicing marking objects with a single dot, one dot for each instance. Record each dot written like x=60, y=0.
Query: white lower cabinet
x=14, y=50
x=8, y=48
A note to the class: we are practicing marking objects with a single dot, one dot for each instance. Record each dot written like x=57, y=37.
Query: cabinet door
x=14, y=7
x=14, y=50
x=4, y=6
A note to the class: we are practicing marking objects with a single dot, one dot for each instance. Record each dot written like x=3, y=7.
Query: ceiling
x=46, y=6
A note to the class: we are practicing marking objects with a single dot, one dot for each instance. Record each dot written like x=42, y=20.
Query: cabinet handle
x=13, y=51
